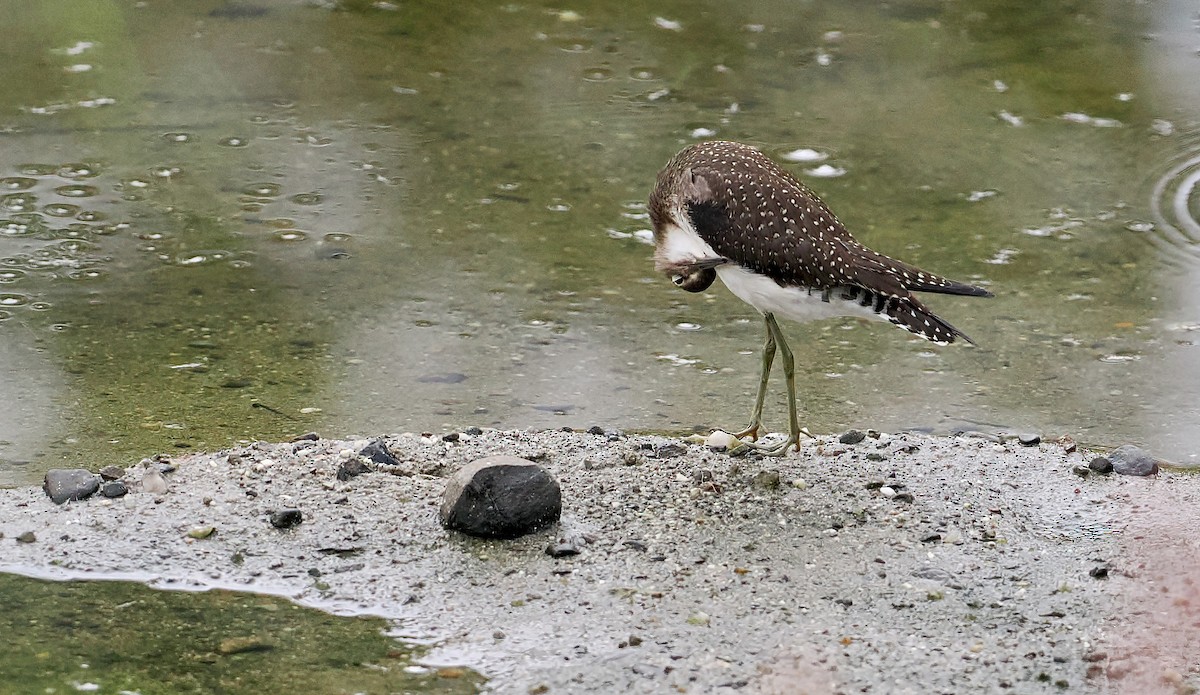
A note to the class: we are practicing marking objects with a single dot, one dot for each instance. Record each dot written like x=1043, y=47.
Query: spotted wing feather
x=756, y=214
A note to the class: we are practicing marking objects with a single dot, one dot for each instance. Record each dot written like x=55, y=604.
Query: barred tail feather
x=914, y=317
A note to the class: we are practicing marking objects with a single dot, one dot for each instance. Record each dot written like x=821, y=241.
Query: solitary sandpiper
x=723, y=209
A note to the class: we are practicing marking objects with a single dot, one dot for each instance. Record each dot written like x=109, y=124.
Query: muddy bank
x=900, y=564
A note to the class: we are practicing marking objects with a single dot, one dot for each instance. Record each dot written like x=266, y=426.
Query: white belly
x=795, y=303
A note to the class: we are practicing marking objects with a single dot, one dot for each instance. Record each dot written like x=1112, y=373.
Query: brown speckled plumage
x=755, y=215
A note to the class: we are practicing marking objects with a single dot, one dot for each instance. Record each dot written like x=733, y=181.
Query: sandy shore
x=901, y=564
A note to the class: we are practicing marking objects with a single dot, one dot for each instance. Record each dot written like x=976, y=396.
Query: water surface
x=373, y=218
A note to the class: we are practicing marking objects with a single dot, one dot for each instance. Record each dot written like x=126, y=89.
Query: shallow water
x=122, y=637
x=247, y=221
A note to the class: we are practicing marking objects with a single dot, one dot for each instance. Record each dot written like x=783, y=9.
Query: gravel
x=679, y=568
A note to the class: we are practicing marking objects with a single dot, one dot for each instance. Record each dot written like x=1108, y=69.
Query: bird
x=725, y=210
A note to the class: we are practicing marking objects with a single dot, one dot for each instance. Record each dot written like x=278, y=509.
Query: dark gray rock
x=351, y=468
x=500, y=497
x=1130, y=460
x=286, y=518
x=564, y=549
x=1101, y=465
x=114, y=488
x=112, y=472
x=378, y=452
x=669, y=451
x=63, y=484
x=852, y=437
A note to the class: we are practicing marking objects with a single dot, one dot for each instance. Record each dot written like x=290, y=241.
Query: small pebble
x=286, y=518
x=451, y=437
x=852, y=437
x=154, y=482
x=595, y=429
x=562, y=549
x=26, y=537
x=1101, y=465
x=201, y=532
x=1081, y=471
x=114, y=488
x=378, y=452
x=767, y=480
x=473, y=431
x=1029, y=439
x=720, y=440
x=351, y=468
x=112, y=472
x=242, y=645
x=1130, y=460
x=1099, y=572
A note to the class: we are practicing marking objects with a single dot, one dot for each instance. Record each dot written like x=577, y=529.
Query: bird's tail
x=913, y=316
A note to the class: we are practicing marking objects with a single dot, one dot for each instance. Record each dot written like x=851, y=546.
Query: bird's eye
x=677, y=279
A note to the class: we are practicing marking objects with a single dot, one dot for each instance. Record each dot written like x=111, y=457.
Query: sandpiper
x=723, y=209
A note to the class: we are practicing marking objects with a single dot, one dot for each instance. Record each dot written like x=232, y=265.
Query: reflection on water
x=223, y=222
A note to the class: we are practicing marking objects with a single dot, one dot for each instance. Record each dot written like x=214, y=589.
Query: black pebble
x=852, y=437
x=1101, y=465
x=114, y=488
x=1099, y=572
x=595, y=429
x=286, y=518
x=378, y=452
x=562, y=549
x=452, y=437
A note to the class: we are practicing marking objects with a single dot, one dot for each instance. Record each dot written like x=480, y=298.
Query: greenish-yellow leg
x=775, y=338
x=768, y=356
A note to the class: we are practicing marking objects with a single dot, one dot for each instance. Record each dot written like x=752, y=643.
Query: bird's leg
x=768, y=356
x=789, y=375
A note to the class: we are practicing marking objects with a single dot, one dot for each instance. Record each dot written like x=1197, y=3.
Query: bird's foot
x=775, y=448
x=751, y=432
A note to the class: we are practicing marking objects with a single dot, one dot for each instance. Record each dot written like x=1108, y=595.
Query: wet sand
x=904, y=563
